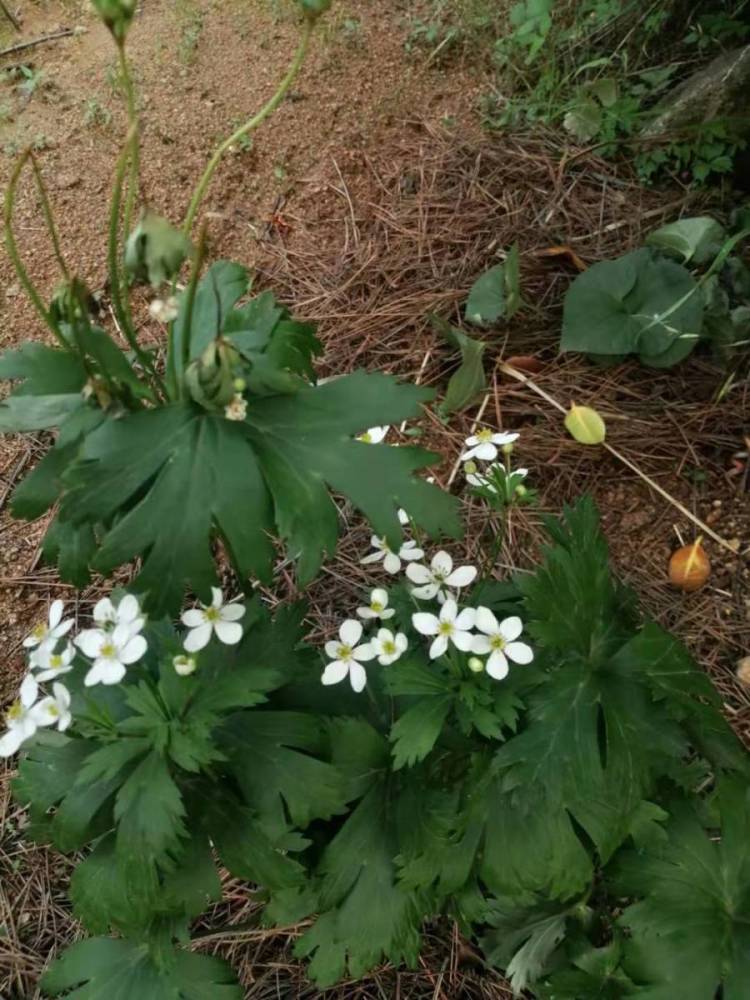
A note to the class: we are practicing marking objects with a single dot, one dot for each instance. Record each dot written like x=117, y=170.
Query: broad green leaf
x=40, y=489
x=104, y=896
x=689, y=935
x=149, y=811
x=595, y=974
x=696, y=239
x=123, y=970
x=270, y=754
x=364, y=913
x=72, y=547
x=469, y=381
x=36, y=413
x=584, y=119
x=415, y=733
x=46, y=371
x=539, y=939
x=585, y=425
x=639, y=304
x=49, y=769
x=163, y=480
x=486, y=302
x=605, y=90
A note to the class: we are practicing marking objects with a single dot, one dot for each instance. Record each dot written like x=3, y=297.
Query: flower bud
x=117, y=15
x=155, y=250
x=210, y=379
x=69, y=301
x=184, y=665
x=239, y=384
x=312, y=9
x=476, y=665
x=521, y=490
x=470, y=468
x=507, y=449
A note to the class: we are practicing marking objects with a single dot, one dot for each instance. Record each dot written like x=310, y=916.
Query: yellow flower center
x=439, y=575
x=377, y=607
x=53, y=710
x=484, y=435
x=39, y=631
x=445, y=628
x=108, y=651
x=212, y=614
x=389, y=647
x=55, y=661
x=366, y=438
x=344, y=652
x=497, y=643
x=384, y=545
x=14, y=712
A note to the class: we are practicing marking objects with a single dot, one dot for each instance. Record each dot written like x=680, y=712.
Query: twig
x=10, y=15
x=514, y=373
x=20, y=46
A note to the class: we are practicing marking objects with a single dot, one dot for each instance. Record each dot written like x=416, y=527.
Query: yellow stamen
x=497, y=642
x=212, y=614
x=445, y=628
x=14, y=712
x=344, y=652
x=108, y=651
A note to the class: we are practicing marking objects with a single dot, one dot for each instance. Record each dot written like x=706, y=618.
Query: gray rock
x=719, y=90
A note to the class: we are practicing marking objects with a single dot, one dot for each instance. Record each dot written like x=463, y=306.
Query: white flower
x=111, y=652
x=184, y=665
x=54, y=710
x=403, y=517
x=499, y=641
x=484, y=444
x=218, y=617
x=391, y=559
x=374, y=435
x=378, y=606
x=19, y=718
x=128, y=612
x=237, y=409
x=164, y=310
x=433, y=580
x=347, y=657
x=449, y=626
x=47, y=635
x=388, y=647
x=51, y=664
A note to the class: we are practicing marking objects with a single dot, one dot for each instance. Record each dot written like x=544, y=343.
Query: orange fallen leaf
x=526, y=363
x=689, y=567
x=564, y=251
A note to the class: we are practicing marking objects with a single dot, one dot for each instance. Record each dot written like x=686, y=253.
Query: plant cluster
x=685, y=286
x=598, y=69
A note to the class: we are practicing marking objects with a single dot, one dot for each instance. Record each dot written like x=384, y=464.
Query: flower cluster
x=473, y=631
x=498, y=484
x=108, y=649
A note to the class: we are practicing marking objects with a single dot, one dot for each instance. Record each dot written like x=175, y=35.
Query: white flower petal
x=462, y=641
x=197, y=638
x=497, y=665
x=44, y=713
x=442, y=563
x=384, y=635
x=55, y=613
x=471, y=441
x=403, y=517
x=372, y=558
x=350, y=631
x=217, y=598
x=486, y=621
x=357, y=677
x=480, y=644
x=449, y=611
x=462, y=576
x=367, y=613
x=335, y=672
x=466, y=619
x=438, y=647
x=230, y=633
x=108, y=672
x=364, y=652
x=133, y=650
x=391, y=563
x=104, y=611
x=425, y=624
x=62, y=695
x=332, y=649
x=402, y=643
x=128, y=609
x=426, y=593
x=193, y=618
x=505, y=437
x=90, y=641
x=418, y=573
x=486, y=452
x=379, y=595
x=232, y=612
x=388, y=613
x=10, y=742
x=511, y=628
x=29, y=691
x=407, y=552
x=519, y=652
x=62, y=629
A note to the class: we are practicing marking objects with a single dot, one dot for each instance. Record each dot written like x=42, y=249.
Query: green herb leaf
x=698, y=239
x=469, y=381
x=486, y=302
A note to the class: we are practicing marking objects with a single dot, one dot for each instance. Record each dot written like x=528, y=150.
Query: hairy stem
x=135, y=150
x=200, y=254
x=48, y=216
x=12, y=247
x=248, y=127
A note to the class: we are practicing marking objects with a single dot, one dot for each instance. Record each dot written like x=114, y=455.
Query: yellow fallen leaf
x=585, y=425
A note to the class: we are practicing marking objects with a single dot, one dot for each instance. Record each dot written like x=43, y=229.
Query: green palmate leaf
x=124, y=970
x=221, y=287
x=270, y=756
x=525, y=934
x=584, y=119
x=45, y=371
x=364, y=913
x=596, y=975
x=486, y=302
x=163, y=480
x=698, y=239
x=638, y=304
x=605, y=90
x=149, y=811
x=690, y=932
x=417, y=730
x=49, y=769
x=19, y=414
x=469, y=381
x=72, y=547
x=155, y=250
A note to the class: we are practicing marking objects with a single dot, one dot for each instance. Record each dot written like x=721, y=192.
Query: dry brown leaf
x=564, y=251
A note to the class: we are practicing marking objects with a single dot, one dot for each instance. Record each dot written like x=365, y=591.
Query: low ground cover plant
x=528, y=757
